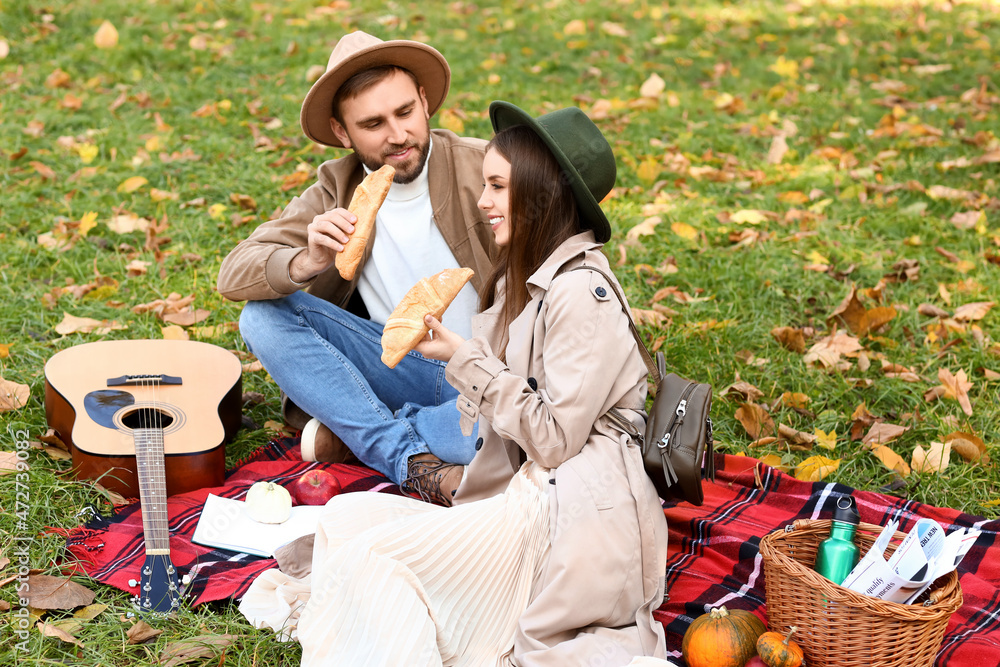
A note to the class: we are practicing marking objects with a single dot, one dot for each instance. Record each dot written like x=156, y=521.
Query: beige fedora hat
x=358, y=51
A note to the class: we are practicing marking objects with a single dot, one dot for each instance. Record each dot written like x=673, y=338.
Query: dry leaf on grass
x=790, y=338
x=898, y=371
x=72, y=324
x=50, y=630
x=954, y=386
x=106, y=36
x=48, y=592
x=644, y=228
x=642, y=316
x=253, y=366
x=930, y=310
x=934, y=459
x=794, y=400
x=743, y=390
x=816, y=468
x=13, y=395
x=192, y=648
x=826, y=440
x=756, y=420
x=969, y=446
x=973, y=311
x=90, y=612
x=851, y=313
x=860, y=420
x=188, y=317
x=891, y=460
x=799, y=440
x=142, y=632
x=174, y=332
x=828, y=351
x=882, y=433
x=8, y=462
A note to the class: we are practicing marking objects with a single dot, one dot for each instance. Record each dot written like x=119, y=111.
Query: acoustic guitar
x=147, y=418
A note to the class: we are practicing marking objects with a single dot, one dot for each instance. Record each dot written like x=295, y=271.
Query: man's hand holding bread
x=340, y=229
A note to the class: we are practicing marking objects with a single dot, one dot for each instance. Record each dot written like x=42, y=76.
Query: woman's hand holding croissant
x=440, y=343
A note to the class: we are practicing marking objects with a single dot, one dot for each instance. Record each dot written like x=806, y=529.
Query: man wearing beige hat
x=317, y=334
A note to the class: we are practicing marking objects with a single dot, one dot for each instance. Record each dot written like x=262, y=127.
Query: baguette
x=365, y=203
x=405, y=326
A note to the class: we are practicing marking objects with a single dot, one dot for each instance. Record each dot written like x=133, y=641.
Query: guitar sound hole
x=147, y=418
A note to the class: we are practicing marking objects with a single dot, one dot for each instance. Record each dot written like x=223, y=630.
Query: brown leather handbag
x=677, y=447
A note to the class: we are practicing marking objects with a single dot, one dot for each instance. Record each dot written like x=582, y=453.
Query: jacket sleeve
x=583, y=353
x=257, y=268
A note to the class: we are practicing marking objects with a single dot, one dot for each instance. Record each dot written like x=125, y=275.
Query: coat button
x=479, y=444
x=600, y=291
x=475, y=388
x=533, y=383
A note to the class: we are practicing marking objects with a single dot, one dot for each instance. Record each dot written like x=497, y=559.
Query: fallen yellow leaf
x=816, y=468
x=684, y=230
x=934, y=459
x=748, y=216
x=132, y=184
x=891, y=460
x=653, y=86
x=826, y=440
x=174, y=332
x=106, y=36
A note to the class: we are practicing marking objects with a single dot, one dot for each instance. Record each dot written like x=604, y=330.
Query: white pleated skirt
x=397, y=581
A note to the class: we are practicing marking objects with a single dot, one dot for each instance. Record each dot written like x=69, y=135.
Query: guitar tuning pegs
x=147, y=570
x=186, y=580
x=147, y=587
x=132, y=583
x=170, y=569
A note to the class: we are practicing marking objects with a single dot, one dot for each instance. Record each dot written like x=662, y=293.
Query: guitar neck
x=152, y=489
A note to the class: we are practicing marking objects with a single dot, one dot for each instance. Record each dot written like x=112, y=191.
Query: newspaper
x=925, y=554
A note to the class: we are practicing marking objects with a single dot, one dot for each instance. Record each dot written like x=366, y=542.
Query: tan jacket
x=258, y=267
x=570, y=357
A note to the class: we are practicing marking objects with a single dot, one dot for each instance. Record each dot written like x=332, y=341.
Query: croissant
x=405, y=326
x=365, y=203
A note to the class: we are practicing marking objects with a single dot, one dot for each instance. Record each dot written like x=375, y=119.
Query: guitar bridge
x=143, y=379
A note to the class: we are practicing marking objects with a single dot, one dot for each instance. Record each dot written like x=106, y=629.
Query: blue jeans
x=328, y=361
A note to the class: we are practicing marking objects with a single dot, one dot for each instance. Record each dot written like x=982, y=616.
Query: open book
x=225, y=524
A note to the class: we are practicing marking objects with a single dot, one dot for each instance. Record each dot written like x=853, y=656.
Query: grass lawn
x=806, y=216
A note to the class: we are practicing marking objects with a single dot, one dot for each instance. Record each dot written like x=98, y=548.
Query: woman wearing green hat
x=555, y=550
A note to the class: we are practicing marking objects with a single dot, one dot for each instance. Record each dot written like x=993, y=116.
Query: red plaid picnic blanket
x=713, y=558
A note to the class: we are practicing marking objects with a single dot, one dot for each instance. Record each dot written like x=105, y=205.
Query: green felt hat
x=580, y=149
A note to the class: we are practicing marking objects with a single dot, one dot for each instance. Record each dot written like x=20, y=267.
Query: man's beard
x=404, y=174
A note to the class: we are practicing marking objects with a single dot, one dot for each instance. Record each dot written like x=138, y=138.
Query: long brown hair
x=541, y=215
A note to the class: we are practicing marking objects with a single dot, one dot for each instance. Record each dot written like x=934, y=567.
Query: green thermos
x=838, y=554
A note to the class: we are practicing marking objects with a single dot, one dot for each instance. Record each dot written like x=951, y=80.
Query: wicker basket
x=843, y=628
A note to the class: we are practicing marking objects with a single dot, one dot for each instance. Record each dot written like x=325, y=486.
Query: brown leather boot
x=432, y=479
x=319, y=443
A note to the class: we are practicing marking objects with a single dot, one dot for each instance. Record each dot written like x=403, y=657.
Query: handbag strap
x=654, y=372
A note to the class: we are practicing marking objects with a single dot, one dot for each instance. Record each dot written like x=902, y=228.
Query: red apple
x=315, y=487
x=756, y=662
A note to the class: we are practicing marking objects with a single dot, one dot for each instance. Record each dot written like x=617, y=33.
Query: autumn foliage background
x=806, y=214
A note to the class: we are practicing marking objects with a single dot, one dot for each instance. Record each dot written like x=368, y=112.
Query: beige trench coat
x=570, y=358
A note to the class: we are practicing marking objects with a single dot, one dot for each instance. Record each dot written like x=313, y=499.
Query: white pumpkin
x=268, y=502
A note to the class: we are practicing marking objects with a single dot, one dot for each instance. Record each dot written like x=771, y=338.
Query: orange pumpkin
x=778, y=651
x=722, y=638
